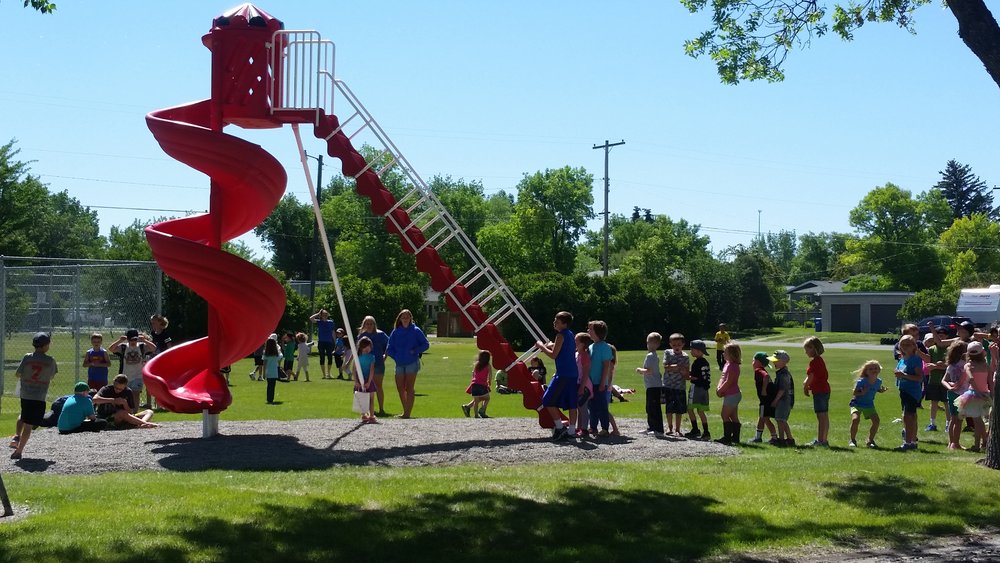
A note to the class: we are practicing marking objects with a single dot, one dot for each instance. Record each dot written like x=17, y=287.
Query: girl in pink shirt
x=976, y=399
x=729, y=390
x=479, y=387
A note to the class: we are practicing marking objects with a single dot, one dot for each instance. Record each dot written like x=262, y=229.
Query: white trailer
x=982, y=305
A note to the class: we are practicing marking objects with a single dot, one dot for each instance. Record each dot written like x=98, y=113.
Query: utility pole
x=760, y=236
x=607, y=149
x=314, y=248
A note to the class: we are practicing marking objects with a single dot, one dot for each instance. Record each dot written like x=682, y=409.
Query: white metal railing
x=302, y=78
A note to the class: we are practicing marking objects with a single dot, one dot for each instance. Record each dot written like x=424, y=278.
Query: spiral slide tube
x=247, y=183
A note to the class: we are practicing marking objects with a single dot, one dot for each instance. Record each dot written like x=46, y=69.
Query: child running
x=303, y=354
x=561, y=393
x=955, y=383
x=365, y=382
x=653, y=381
x=818, y=383
x=728, y=390
x=479, y=387
x=974, y=401
x=33, y=377
x=863, y=401
x=701, y=380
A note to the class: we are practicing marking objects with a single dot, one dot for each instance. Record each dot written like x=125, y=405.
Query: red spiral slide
x=247, y=183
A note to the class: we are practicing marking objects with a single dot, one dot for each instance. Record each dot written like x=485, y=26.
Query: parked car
x=947, y=321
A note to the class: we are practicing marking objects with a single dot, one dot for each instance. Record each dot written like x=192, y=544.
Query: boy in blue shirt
x=78, y=413
x=600, y=374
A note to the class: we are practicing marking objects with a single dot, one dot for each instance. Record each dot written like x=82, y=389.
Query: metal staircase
x=305, y=89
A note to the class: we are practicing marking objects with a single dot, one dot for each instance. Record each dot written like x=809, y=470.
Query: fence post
x=76, y=320
x=159, y=290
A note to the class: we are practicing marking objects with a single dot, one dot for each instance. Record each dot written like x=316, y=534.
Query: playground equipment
x=264, y=76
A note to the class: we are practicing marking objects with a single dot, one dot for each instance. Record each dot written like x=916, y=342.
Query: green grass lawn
x=785, y=334
x=765, y=498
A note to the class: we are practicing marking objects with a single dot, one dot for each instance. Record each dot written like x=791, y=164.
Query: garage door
x=884, y=318
x=845, y=318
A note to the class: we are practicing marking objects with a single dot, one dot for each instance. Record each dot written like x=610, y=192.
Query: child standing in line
x=303, y=349
x=766, y=392
x=676, y=371
x=611, y=385
x=339, y=346
x=479, y=387
x=585, y=390
x=561, y=394
x=863, y=401
x=818, y=383
x=366, y=382
x=784, y=398
x=728, y=390
x=701, y=379
x=600, y=375
x=955, y=383
x=272, y=357
x=34, y=374
x=97, y=361
x=935, y=392
x=288, y=349
x=974, y=402
x=721, y=339
x=653, y=381
x=909, y=377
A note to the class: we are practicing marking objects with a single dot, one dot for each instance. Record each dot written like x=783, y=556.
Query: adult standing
x=406, y=343
x=325, y=342
x=721, y=339
x=380, y=341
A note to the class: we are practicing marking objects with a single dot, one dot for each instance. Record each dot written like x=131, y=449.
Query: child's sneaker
x=790, y=443
x=482, y=414
x=756, y=440
x=871, y=445
x=853, y=443
x=603, y=434
x=694, y=434
x=467, y=409
x=931, y=427
x=706, y=436
x=776, y=441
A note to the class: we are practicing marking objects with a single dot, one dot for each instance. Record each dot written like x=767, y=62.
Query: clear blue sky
x=491, y=91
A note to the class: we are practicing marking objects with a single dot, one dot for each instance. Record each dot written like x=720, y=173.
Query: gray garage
x=867, y=311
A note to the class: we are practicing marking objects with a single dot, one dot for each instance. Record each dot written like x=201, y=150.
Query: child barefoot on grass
x=863, y=401
x=479, y=388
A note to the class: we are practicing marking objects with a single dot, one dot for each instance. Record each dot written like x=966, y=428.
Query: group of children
x=297, y=346
x=680, y=384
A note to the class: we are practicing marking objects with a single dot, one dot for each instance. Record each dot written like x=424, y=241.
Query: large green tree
x=896, y=248
x=817, y=255
x=287, y=233
x=750, y=39
x=555, y=206
x=964, y=191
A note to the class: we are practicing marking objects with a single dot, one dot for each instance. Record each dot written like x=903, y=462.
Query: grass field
x=763, y=499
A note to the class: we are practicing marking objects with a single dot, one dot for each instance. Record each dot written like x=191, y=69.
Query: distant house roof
x=813, y=287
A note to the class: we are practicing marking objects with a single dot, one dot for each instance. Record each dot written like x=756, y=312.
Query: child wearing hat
x=765, y=393
x=78, y=413
x=784, y=397
x=701, y=380
x=34, y=375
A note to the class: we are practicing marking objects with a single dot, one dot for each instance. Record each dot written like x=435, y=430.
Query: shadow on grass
x=578, y=524
x=268, y=452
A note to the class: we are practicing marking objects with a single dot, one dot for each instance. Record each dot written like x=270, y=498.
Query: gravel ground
x=268, y=445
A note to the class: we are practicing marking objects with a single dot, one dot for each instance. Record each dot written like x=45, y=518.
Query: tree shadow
x=269, y=452
x=581, y=523
x=34, y=465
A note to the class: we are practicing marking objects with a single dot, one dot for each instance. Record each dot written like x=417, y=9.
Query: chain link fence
x=71, y=300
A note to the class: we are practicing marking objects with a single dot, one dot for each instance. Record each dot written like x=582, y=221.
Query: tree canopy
x=965, y=192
